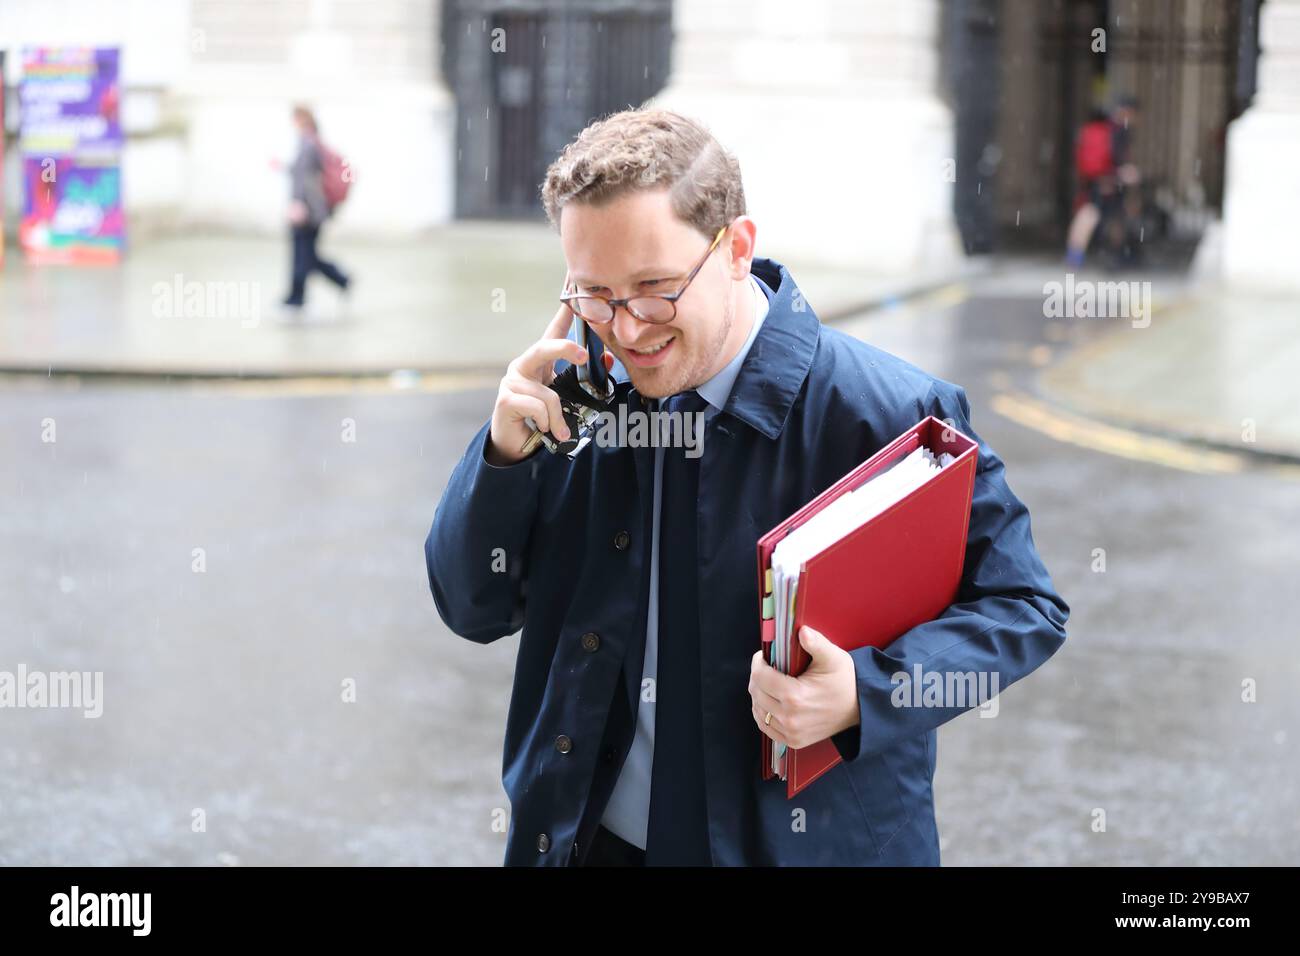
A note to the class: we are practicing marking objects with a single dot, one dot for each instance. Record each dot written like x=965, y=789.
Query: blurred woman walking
x=308, y=209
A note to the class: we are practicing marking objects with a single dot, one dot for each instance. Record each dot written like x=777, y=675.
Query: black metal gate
x=528, y=76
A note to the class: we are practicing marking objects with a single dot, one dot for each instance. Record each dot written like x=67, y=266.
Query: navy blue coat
x=809, y=404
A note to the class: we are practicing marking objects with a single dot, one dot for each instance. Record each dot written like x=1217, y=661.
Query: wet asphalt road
x=223, y=690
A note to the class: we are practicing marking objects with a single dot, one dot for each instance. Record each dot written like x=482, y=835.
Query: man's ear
x=740, y=246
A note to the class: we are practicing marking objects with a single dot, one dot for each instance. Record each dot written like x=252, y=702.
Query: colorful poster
x=71, y=142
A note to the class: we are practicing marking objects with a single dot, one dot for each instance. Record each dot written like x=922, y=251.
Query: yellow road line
x=270, y=387
x=952, y=294
x=1076, y=430
x=427, y=383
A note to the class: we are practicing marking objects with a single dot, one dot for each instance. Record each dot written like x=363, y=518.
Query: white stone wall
x=207, y=90
x=1261, y=214
x=831, y=106
x=369, y=70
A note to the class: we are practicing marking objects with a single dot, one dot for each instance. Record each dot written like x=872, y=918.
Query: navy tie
x=678, y=830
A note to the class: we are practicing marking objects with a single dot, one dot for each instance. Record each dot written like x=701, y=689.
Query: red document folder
x=899, y=569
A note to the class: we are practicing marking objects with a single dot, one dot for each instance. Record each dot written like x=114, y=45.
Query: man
x=640, y=691
x=1103, y=160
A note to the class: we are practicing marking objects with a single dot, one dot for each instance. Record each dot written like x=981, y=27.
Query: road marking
x=276, y=387
x=1076, y=430
x=946, y=297
x=424, y=383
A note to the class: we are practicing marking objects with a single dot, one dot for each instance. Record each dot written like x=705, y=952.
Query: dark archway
x=1023, y=75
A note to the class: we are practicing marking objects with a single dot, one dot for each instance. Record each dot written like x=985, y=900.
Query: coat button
x=543, y=843
x=621, y=540
x=608, y=755
x=590, y=641
x=563, y=744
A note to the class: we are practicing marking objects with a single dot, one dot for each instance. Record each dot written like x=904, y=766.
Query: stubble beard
x=696, y=374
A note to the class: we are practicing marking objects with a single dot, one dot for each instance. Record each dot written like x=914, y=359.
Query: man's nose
x=628, y=329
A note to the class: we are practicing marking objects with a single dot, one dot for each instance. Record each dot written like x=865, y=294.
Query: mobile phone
x=585, y=391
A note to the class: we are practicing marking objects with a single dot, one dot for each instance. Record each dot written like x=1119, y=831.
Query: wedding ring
x=767, y=721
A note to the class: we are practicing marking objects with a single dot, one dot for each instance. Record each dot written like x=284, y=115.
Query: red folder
x=899, y=569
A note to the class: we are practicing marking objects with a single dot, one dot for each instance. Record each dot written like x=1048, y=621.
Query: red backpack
x=1092, y=157
x=336, y=177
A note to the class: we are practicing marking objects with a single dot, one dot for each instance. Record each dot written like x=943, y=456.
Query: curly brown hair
x=646, y=149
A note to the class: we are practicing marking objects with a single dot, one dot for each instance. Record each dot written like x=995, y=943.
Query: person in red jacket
x=1104, y=164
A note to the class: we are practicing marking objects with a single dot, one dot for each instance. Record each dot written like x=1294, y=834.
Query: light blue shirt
x=628, y=811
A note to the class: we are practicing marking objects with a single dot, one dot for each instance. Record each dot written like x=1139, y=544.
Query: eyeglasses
x=648, y=308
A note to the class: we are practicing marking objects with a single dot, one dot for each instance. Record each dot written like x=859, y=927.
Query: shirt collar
x=774, y=371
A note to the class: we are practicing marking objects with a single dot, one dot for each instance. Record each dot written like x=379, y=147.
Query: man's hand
x=524, y=392
x=297, y=212
x=817, y=704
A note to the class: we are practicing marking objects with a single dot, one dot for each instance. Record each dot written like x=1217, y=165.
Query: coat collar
x=779, y=358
